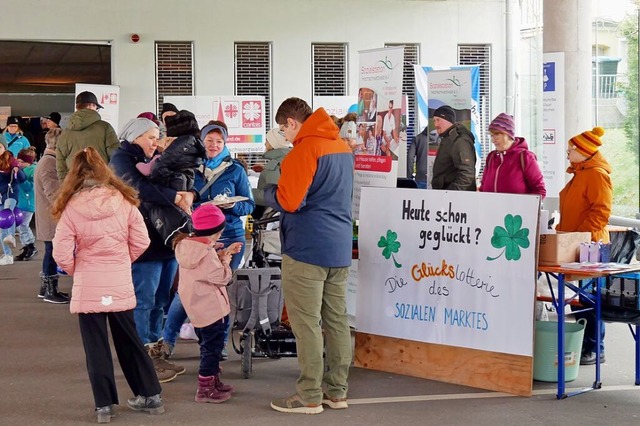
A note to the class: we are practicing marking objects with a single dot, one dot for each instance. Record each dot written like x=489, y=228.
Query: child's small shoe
x=223, y=387
x=207, y=391
x=146, y=168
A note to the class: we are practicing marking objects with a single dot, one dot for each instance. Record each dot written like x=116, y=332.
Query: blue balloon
x=7, y=219
x=353, y=108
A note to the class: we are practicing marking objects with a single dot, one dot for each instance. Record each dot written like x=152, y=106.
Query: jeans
x=175, y=318
x=177, y=315
x=316, y=302
x=589, y=339
x=211, y=341
x=26, y=234
x=10, y=204
x=49, y=265
x=152, y=282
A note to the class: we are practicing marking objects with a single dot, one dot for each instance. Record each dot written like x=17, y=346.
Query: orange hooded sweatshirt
x=585, y=201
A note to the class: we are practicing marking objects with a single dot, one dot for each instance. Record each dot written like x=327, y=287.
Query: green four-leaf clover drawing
x=390, y=246
x=511, y=237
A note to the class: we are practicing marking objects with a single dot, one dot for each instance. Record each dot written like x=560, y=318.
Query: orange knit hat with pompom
x=588, y=143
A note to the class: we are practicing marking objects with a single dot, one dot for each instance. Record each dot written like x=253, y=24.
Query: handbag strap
x=214, y=178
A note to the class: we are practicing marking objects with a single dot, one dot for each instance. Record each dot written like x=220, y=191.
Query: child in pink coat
x=204, y=275
x=99, y=233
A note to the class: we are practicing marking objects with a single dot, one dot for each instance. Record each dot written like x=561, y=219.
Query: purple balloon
x=7, y=219
x=18, y=216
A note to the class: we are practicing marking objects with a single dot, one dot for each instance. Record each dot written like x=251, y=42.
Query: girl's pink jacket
x=97, y=238
x=203, y=281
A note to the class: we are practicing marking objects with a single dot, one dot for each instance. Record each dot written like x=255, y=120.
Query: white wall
x=291, y=26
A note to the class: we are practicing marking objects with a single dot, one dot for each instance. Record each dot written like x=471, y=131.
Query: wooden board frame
x=462, y=366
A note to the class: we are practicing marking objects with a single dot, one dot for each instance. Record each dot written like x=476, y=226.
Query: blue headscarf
x=214, y=162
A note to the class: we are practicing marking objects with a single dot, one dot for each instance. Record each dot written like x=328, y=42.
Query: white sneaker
x=6, y=260
x=10, y=240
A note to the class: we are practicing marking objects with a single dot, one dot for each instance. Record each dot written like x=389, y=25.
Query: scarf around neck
x=214, y=162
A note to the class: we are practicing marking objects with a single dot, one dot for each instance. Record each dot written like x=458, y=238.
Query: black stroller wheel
x=245, y=355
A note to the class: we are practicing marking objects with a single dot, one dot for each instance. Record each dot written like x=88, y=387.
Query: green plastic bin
x=545, y=354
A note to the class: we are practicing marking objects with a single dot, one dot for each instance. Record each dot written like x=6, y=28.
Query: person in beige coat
x=46, y=186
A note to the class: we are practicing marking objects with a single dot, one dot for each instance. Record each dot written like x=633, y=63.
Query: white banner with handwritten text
x=447, y=267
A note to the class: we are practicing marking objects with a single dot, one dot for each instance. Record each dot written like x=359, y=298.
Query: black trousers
x=134, y=360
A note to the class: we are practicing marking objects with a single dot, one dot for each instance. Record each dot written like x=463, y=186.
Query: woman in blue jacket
x=10, y=178
x=219, y=176
x=13, y=137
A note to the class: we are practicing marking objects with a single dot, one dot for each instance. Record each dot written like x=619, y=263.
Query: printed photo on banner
x=379, y=122
x=446, y=267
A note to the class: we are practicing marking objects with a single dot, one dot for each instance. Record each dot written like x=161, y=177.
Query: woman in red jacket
x=511, y=168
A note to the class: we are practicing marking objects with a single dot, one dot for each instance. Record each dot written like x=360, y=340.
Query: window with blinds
x=411, y=58
x=480, y=54
x=329, y=73
x=174, y=70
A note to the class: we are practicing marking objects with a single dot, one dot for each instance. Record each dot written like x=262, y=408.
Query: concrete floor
x=43, y=381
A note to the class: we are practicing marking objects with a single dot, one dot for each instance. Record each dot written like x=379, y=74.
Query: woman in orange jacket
x=585, y=206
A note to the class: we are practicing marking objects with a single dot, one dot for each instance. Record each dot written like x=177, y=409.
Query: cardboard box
x=561, y=247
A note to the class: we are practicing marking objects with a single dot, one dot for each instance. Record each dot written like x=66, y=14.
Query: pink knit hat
x=207, y=220
x=503, y=123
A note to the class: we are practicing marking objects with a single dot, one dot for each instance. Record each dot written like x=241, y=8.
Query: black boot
x=31, y=252
x=23, y=254
x=61, y=293
x=43, y=286
x=51, y=294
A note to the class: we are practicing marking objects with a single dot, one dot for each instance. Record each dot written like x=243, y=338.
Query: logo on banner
x=549, y=77
x=251, y=114
x=549, y=136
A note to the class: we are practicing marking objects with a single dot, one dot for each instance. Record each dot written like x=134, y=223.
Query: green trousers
x=316, y=300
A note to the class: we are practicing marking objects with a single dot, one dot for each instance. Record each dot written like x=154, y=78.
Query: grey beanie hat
x=135, y=128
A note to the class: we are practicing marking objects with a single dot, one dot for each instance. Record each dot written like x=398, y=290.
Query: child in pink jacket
x=204, y=275
x=99, y=233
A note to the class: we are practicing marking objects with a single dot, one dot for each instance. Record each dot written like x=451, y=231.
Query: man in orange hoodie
x=585, y=206
x=313, y=196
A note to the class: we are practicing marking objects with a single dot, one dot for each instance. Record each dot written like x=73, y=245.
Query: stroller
x=256, y=301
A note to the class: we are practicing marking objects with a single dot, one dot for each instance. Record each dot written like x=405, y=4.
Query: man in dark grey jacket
x=418, y=155
x=455, y=165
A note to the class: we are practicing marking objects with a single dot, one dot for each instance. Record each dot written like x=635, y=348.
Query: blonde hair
x=88, y=165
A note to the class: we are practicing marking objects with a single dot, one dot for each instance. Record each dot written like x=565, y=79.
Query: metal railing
x=605, y=85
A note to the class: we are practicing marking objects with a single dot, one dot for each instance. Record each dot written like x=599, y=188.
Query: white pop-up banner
x=109, y=97
x=243, y=115
x=554, y=145
x=448, y=267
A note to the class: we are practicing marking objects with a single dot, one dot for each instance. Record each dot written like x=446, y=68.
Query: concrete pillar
x=567, y=29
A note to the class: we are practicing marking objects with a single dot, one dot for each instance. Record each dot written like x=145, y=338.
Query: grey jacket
x=271, y=173
x=419, y=155
x=455, y=165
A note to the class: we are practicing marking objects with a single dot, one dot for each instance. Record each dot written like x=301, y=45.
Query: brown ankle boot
x=207, y=391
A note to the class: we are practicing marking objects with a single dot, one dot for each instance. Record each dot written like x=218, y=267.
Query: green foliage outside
x=629, y=30
x=623, y=159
